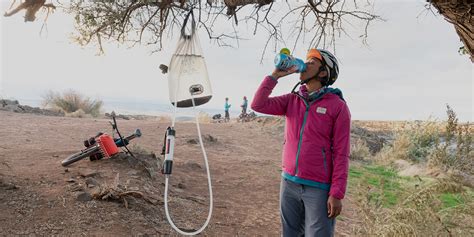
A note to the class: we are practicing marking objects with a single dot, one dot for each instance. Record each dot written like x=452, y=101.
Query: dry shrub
x=455, y=149
x=78, y=114
x=72, y=101
x=359, y=150
x=383, y=126
x=204, y=117
x=117, y=192
x=419, y=214
x=462, y=216
x=164, y=119
x=385, y=155
x=444, y=145
x=422, y=138
x=413, y=143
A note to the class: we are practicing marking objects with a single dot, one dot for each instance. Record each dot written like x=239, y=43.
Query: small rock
x=83, y=197
x=7, y=186
x=146, y=188
x=95, y=192
x=66, y=170
x=71, y=180
x=210, y=138
x=192, y=141
x=91, y=181
x=131, y=201
x=134, y=188
x=193, y=165
x=197, y=198
x=10, y=187
x=132, y=172
x=88, y=173
x=181, y=186
x=76, y=188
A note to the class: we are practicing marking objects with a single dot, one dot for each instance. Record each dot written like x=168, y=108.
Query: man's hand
x=277, y=73
x=334, y=207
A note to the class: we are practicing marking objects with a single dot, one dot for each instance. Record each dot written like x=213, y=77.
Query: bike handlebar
x=136, y=134
x=125, y=141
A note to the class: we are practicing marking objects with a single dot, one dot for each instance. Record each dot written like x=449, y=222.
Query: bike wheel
x=80, y=155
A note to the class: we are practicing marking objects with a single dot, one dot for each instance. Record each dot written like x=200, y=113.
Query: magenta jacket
x=317, y=135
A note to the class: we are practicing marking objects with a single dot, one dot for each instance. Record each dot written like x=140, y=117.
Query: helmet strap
x=320, y=69
x=296, y=85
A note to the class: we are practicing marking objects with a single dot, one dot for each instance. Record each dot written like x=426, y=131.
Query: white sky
x=410, y=70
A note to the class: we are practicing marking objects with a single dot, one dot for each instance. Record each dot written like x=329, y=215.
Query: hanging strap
x=193, y=25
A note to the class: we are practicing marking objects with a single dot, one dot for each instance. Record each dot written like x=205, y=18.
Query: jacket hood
x=318, y=95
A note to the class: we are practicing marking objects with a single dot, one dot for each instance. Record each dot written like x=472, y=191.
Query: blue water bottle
x=284, y=61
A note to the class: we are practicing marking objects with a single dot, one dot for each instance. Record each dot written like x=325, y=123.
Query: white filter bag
x=188, y=77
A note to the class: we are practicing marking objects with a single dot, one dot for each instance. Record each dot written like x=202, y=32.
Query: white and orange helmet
x=329, y=63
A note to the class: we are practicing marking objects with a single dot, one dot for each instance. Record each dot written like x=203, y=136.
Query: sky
x=410, y=69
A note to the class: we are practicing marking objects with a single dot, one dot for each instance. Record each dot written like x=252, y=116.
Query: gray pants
x=304, y=210
x=227, y=116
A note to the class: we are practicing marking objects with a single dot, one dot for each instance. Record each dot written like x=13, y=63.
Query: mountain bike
x=246, y=117
x=103, y=145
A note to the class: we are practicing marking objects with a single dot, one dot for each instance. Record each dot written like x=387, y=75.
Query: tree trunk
x=459, y=13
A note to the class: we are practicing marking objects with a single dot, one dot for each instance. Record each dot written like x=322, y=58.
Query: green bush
x=72, y=101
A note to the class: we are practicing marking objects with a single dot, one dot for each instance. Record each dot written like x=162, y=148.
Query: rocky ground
x=123, y=196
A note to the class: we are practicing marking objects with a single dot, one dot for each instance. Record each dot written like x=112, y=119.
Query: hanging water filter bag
x=188, y=77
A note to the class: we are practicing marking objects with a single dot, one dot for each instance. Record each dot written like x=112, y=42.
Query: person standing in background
x=226, y=109
x=244, y=105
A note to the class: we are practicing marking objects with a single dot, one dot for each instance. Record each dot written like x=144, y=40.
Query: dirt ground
x=40, y=197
